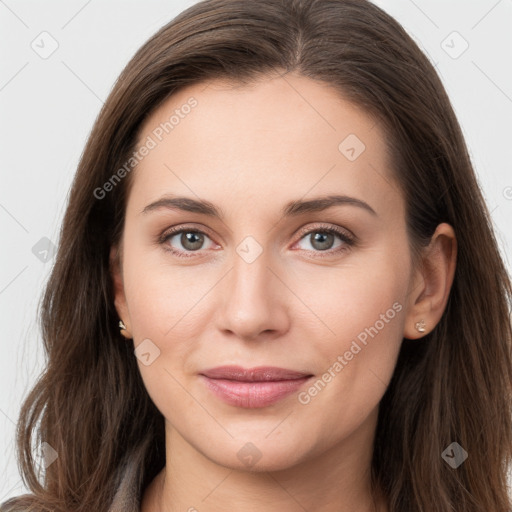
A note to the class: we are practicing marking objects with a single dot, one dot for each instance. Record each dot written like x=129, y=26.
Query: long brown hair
x=90, y=404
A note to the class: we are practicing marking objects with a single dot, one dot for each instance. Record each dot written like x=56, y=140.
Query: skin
x=250, y=150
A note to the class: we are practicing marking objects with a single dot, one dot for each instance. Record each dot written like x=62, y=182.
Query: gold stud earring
x=122, y=327
x=420, y=326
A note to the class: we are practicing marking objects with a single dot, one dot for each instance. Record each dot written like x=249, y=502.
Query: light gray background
x=48, y=106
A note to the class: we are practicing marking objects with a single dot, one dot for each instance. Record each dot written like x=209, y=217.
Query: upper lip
x=257, y=374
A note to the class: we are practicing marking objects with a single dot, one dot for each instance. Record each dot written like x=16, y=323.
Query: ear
x=432, y=282
x=116, y=274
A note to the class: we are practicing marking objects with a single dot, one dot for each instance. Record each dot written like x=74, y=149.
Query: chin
x=258, y=455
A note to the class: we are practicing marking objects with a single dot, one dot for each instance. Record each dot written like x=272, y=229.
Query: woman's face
x=257, y=277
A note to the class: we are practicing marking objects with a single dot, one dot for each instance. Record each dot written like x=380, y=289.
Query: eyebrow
x=291, y=209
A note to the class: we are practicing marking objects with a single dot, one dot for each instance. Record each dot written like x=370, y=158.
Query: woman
x=277, y=285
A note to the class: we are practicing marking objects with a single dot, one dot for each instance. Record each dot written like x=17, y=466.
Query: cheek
x=361, y=309
x=348, y=299
x=165, y=323
x=167, y=308
x=160, y=293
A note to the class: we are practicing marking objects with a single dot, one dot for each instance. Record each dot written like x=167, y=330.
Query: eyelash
x=348, y=240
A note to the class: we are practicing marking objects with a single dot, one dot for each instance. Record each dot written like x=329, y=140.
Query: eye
x=322, y=239
x=182, y=240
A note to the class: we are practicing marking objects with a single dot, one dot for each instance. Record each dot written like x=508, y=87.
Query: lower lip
x=253, y=394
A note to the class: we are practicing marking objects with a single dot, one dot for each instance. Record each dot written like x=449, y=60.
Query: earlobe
x=124, y=330
x=428, y=301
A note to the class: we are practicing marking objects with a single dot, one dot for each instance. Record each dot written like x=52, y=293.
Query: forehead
x=282, y=137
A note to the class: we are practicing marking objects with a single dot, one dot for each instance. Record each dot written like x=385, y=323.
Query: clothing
x=127, y=497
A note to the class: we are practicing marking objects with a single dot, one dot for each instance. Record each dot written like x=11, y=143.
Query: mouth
x=253, y=387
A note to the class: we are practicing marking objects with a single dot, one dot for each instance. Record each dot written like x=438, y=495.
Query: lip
x=253, y=387
x=256, y=374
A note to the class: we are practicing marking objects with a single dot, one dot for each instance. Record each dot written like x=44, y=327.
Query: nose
x=255, y=301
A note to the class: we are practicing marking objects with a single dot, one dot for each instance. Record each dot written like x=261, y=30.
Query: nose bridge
x=250, y=277
x=252, y=302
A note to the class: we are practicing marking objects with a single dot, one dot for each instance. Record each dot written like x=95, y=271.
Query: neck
x=337, y=480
